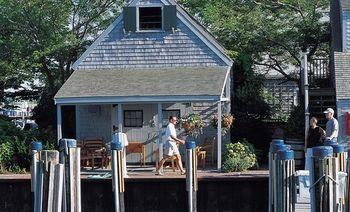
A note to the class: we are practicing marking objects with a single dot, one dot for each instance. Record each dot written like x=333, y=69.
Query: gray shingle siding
x=150, y=50
x=342, y=75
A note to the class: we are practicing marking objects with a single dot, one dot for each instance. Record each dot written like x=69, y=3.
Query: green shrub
x=239, y=156
x=14, y=145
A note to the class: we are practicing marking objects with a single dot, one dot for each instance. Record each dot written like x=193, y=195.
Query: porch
x=139, y=105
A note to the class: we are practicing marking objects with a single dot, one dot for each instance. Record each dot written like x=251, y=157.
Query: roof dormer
x=149, y=18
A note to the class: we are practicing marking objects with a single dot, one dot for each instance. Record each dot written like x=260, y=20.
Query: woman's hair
x=314, y=119
x=171, y=118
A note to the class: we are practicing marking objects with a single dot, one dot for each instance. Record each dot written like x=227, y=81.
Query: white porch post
x=59, y=122
x=160, y=133
x=120, y=117
x=219, y=137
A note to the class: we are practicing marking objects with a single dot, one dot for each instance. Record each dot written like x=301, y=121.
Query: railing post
x=191, y=175
x=117, y=176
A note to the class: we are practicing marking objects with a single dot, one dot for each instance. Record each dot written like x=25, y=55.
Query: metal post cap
x=322, y=151
x=285, y=155
x=190, y=144
x=71, y=143
x=277, y=147
x=116, y=146
x=36, y=145
x=277, y=141
x=338, y=148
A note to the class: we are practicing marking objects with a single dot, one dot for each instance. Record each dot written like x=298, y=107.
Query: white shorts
x=170, y=149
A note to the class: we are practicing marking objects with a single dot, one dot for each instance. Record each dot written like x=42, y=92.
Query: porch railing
x=319, y=73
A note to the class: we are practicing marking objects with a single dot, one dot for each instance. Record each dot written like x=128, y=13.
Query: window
x=167, y=114
x=133, y=118
x=150, y=18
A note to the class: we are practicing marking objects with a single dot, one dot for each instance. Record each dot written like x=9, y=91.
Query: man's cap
x=329, y=110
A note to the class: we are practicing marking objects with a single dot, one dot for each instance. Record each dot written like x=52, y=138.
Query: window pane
x=127, y=114
x=133, y=118
x=138, y=114
x=139, y=122
x=127, y=122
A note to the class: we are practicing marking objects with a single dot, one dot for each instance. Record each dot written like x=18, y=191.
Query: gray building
x=154, y=60
x=340, y=22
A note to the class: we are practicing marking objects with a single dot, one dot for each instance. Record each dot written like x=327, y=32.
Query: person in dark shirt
x=315, y=137
x=316, y=134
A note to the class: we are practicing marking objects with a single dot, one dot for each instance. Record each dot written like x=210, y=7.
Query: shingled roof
x=196, y=83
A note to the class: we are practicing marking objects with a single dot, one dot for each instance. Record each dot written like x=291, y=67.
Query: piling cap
x=36, y=145
x=277, y=141
x=322, y=151
x=338, y=148
x=190, y=144
x=285, y=155
x=274, y=148
x=70, y=143
x=116, y=146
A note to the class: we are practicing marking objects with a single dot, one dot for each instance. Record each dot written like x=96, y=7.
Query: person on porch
x=170, y=148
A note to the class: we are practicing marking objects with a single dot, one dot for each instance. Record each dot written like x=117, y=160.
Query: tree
x=272, y=32
x=265, y=35
x=40, y=39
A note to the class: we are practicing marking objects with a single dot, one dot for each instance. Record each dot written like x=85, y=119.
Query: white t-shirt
x=170, y=130
x=121, y=137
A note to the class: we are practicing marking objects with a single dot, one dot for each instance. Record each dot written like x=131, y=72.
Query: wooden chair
x=201, y=155
x=137, y=147
x=206, y=149
x=93, y=151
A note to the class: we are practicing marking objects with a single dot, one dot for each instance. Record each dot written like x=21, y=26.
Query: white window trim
x=138, y=17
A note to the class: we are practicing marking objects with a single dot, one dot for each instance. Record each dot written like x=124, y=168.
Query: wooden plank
x=58, y=188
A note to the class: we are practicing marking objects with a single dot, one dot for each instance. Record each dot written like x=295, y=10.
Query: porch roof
x=144, y=85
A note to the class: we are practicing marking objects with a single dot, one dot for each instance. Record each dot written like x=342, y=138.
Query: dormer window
x=150, y=18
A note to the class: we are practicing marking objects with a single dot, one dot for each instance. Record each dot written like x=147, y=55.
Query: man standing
x=332, y=126
x=170, y=148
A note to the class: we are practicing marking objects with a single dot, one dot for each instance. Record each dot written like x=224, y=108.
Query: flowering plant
x=240, y=156
x=226, y=122
x=192, y=124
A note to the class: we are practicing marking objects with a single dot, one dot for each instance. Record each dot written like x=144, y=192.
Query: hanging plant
x=226, y=122
x=192, y=124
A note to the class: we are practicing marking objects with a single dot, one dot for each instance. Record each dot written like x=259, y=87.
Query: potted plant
x=192, y=124
x=226, y=122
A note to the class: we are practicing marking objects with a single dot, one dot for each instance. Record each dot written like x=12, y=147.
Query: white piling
x=191, y=175
x=117, y=176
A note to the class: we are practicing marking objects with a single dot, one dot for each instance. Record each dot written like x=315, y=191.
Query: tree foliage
x=40, y=39
x=273, y=33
